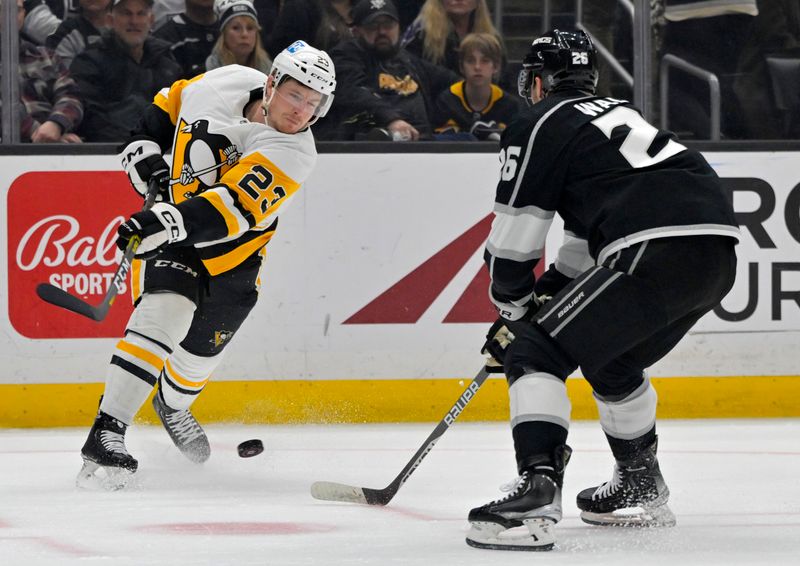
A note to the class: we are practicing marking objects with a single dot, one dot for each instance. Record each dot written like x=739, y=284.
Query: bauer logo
x=62, y=230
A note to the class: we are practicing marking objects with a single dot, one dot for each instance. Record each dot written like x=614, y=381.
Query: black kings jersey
x=613, y=178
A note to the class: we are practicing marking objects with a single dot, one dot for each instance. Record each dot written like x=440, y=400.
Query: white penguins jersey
x=246, y=171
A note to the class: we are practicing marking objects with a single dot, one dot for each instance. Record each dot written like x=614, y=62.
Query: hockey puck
x=250, y=448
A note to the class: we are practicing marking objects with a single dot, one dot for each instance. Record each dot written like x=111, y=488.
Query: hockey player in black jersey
x=648, y=250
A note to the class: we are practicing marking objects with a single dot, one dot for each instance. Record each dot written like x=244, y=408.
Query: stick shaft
x=339, y=492
x=60, y=298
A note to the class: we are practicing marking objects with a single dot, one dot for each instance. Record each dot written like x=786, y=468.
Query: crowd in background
x=407, y=69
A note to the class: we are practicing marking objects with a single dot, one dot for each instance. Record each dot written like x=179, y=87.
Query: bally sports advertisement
x=375, y=275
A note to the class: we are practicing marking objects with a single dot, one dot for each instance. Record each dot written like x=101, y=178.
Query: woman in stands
x=441, y=25
x=239, y=41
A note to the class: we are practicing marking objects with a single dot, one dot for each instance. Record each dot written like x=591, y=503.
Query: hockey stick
x=60, y=298
x=331, y=491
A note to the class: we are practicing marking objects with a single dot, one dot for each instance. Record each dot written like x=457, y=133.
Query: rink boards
x=373, y=303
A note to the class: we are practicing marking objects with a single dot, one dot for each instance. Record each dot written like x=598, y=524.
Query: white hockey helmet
x=310, y=67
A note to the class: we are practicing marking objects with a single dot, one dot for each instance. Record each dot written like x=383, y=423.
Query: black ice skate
x=635, y=496
x=534, y=502
x=183, y=429
x=106, y=462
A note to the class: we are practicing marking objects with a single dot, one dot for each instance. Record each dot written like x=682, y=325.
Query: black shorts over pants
x=223, y=301
x=617, y=319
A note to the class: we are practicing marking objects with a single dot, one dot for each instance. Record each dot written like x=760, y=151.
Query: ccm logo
x=175, y=265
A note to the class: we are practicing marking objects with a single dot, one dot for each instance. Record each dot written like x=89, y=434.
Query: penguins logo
x=221, y=336
x=201, y=158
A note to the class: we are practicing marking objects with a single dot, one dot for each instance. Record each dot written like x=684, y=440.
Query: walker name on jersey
x=597, y=107
x=62, y=229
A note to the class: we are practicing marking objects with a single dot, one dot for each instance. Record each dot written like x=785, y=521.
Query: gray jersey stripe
x=536, y=417
x=532, y=210
x=668, y=232
x=513, y=255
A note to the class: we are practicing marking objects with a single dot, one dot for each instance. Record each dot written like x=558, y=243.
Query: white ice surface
x=735, y=490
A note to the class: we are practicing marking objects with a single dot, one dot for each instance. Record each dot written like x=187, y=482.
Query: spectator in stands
x=119, y=76
x=775, y=32
x=441, y=25
x=239, y=41
x=476, y=106
x=322, y=23
x=42, y=17
x=74, y=34
x=381, y=85
x=52, y=109
x=191, y=35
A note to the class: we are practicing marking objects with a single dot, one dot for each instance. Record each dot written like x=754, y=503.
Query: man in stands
x=119, y=76
x=382, y=86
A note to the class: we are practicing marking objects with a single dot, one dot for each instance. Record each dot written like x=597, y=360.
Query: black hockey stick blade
x=332, y=491
x=60, y=298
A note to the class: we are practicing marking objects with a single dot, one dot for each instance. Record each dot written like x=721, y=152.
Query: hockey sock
x=540, y=413
x=132, y=374
x=534, y=439
x=185, y=375
x=630, y=422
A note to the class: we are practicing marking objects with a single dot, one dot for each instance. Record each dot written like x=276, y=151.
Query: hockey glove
x=157, y=228
x=497, y=340
x=142, y=161
x=550, y=283
x=518, y=317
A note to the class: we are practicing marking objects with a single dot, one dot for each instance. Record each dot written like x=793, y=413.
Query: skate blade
x=95, y=477
x=493, y=536
x=644, y=517
x=196, y=455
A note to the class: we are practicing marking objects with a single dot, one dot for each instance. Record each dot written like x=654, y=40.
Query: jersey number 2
x=257, y=183
x=635, y=147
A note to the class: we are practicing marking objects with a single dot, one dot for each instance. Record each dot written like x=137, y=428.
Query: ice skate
x=636, y=495
x=533, y=503
x=106, y=462
x=183, y=429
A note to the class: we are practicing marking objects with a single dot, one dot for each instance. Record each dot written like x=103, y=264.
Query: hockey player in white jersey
x=649, y=248
x=241, y=148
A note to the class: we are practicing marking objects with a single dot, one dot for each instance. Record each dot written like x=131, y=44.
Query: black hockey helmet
x=562, y=59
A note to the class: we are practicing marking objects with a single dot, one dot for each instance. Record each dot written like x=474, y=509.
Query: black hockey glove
x=142, y=161
x=497, y=340
x=156, y=228
x=517, y=317
x=550, y=283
